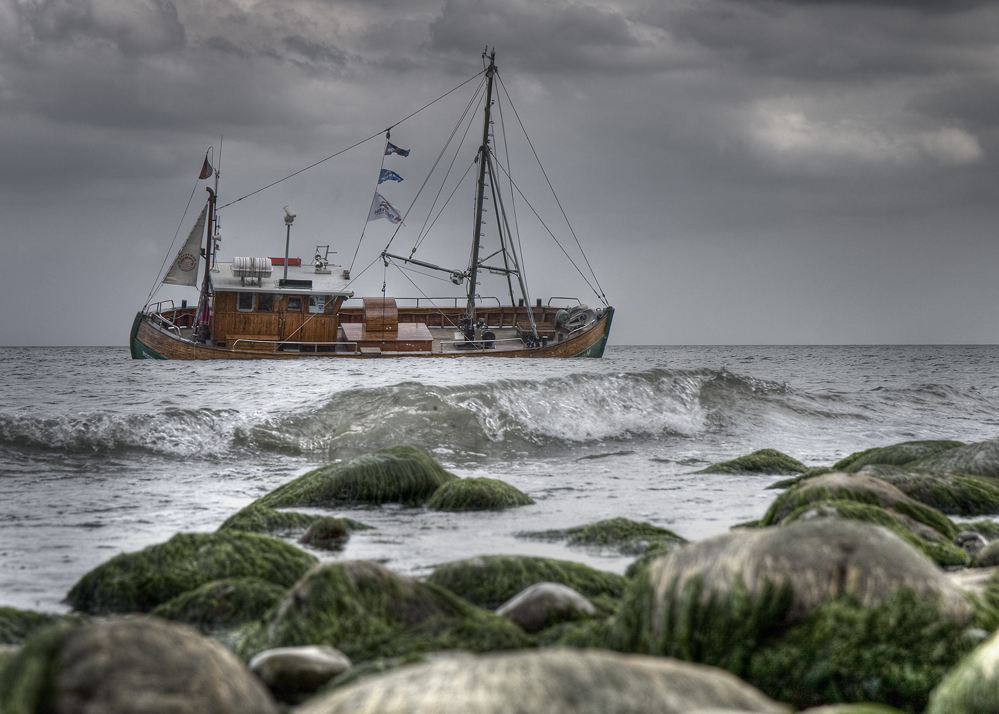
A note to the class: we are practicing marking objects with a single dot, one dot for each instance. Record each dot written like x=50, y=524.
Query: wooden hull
x=150, y=342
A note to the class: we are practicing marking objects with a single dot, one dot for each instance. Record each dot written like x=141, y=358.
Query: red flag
x=206, y=170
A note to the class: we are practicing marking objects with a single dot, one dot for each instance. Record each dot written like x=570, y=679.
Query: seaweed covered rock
x=625, y=536
x=128, y=664
x=819, y=611
x=477, y=494
x=545, y=681
x=258, y=518
x=895, y=454
x=367, y=611
x=921, y=537
x=954, y=494
x=398, y=474
x=490, y=580
x=972, y=687
x=222, y=603
x=988, y=556
x=980, y=459
x=291, y=672
x=138, y=582
x=764, y=461
x=331, y=533
x=545, y=604
x=16, y=625
x=855, y=487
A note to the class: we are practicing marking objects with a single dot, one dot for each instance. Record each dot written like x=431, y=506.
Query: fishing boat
x=287, y=308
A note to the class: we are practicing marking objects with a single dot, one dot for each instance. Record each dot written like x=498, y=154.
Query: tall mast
x=481, y=189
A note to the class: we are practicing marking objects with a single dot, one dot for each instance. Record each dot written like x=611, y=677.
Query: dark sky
x=738, y=171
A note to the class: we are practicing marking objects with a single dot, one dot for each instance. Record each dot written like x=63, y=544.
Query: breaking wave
x=504, y=416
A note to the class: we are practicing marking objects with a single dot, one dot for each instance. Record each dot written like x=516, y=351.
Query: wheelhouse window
x=317, y=303
x=265, y=302
x=244, y=302
x=294, y=303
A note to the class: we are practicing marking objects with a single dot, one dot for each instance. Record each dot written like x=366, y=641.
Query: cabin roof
x=331, y=283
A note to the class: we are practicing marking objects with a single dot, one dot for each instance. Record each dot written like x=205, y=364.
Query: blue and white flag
x=393, y=149
x=381, y=208
x=389, y=176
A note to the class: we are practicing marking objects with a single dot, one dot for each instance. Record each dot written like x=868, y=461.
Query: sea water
x=100, y=454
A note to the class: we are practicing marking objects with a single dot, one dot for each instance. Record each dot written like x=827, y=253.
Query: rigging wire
x=440, y=310
x=430, y=173
x=426, y=228
x=564, y=251
x=602, y=295
x=352, y=146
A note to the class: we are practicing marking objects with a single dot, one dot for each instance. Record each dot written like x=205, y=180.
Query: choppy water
x=100, y=454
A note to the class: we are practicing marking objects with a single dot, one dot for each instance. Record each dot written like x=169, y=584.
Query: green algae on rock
x=980, y=459
x=545, y=681
x=126, y=664
x=398, y=474
x=16, y=625
x=222, y=603
x=764, y=461
x=722, y=600
x=921, y=537
x=894, y=652
x=895, y=454
x=367, y=611
x=477, y=494
x=258, y=518
x=490, y=580
x=624, y=535
x=139, y=581
x=863, y=488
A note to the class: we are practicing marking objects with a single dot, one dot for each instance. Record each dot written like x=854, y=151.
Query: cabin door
x=292, y=318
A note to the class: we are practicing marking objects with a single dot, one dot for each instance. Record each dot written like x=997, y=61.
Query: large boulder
x=129, y=664
x=138, y=582
x=477, y=494
x=764, y=461
x=859, y=487
x=258, y=518
x=544, y=681
x=920, y=536
x=545, y=604
x=895, y=454
x=981, y=459
x=398, y=474
x=819, y=611
x=291, y=672
x=367, y=611
x=490, y=580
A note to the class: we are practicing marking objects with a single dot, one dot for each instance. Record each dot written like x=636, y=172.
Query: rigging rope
x=601, y=294
x=352, y=146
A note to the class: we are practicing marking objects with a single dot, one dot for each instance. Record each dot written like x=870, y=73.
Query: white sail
x=184, y=270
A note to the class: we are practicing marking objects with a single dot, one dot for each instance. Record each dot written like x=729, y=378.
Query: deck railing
x=279, y=346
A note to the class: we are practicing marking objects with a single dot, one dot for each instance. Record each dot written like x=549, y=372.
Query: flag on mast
x=381, y=208
x=387, y=175
x=184, y=270
x=391, y=148
x=206, y=170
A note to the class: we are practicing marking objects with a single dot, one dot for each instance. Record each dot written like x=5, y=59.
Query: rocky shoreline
x=855, y=593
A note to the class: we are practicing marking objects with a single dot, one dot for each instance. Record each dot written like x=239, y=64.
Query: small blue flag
x=389, y=176
x=393, y=149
